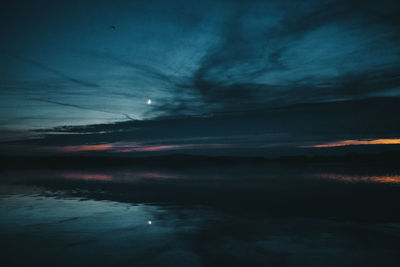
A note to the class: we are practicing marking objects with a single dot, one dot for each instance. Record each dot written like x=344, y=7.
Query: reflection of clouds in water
x=93, y=231
x=149, y=174
x=360, y=178
x=60, y=210
x=109, y=232
x=117, y=176
x=87, y=176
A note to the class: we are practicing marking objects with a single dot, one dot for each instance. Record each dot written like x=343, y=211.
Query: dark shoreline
x=389, y=158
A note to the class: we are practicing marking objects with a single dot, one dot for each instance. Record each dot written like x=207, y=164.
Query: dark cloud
x=226, y=78
x=297, y=125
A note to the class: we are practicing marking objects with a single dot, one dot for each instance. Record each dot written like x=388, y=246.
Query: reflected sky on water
x=273, y=216
x=361, y=178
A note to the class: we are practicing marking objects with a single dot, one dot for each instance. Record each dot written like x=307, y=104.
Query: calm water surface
x=247, y=215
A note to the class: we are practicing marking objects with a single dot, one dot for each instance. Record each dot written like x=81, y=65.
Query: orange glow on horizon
x=395, y=141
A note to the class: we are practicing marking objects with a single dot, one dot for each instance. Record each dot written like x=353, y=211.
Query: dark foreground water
x=243, y=215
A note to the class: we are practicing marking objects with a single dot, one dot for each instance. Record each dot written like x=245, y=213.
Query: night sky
x=224, y=77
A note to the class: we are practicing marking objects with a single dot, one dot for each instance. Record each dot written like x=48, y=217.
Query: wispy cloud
x=134, y=147
x=77, y=106
x=393, y=141
x=81, y=148
x=255, y=64
x=53, y=71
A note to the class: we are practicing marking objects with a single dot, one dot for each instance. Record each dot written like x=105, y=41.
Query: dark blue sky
x=222, y=75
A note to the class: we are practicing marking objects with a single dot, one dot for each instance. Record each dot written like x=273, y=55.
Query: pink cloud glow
x=126, y=147
x=86, y=148
x=87, y=176
x=118, y=147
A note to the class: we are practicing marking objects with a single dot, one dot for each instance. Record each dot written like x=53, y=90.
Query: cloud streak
x=395, y=141
x=76, y=106
x=54, y=71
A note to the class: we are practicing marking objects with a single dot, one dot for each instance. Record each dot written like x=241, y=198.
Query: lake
x=267, y=214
